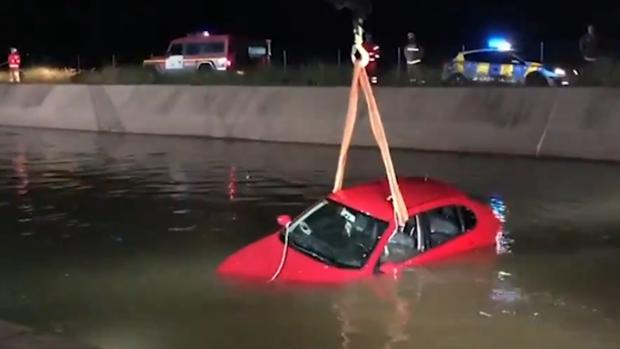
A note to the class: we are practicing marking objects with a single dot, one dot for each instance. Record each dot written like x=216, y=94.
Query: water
x=113, y=240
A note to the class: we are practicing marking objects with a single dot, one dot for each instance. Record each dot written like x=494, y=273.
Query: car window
x=469, y=218
x=432, y=228
x=516, y=59
x=484, y=56
x=192, y=49
x=447, y=223
x=212, y=48
x=493, y=57
x=336, y=234
x=501, y=58
x=175, y=50
x=403, y=244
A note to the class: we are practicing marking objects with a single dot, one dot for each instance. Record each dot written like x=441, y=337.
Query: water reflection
x=114, y=239
x=392, y=319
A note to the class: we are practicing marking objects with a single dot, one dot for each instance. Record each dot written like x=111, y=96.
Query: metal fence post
x=284, y=59
x=339, y=58
x=398, y=59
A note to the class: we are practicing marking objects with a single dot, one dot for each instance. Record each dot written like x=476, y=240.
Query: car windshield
x=336, y=235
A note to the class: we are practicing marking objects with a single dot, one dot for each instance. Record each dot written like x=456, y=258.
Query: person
x=588, y=45
x=374, y=55
x=14, y=61
x=413, y=55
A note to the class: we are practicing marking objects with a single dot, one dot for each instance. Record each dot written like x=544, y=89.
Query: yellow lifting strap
x=360, y=78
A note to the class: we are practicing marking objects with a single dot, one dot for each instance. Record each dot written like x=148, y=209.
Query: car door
x=520, y=68
x=477, y=66
x=174, y=57
x=432, y=235
x=502, y=67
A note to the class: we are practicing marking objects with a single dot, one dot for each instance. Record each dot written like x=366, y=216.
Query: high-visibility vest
x=15, y=61
x=413, y=54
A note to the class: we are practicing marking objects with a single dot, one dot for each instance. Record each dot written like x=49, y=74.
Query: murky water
x=113, y=240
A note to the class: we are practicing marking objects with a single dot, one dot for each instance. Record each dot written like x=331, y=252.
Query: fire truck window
x=212, y=48
x=175, y=50
x=192, y=49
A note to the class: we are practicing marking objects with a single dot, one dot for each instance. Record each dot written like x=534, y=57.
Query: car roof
x=372, y=198
x=197, y=38
x=487, y=50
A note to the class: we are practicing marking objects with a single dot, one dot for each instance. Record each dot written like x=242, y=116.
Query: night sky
x=62, y=29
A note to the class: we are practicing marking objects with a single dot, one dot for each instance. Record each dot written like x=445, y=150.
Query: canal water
x=113, y=240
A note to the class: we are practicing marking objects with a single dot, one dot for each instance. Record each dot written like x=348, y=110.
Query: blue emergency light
x=500, y=44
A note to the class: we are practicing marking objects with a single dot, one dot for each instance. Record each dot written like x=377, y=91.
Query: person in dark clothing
x=598, y=63
x=413, y=56
x=588, y=45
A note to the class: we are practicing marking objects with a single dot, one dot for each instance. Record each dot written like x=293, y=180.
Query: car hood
x=260, y=260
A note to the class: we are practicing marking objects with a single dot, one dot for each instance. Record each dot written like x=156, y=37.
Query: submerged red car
x=352, y=235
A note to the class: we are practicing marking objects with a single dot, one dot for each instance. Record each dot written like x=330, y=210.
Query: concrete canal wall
x=574, y=122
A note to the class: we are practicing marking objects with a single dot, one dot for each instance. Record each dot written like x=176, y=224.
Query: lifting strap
x=360, y=78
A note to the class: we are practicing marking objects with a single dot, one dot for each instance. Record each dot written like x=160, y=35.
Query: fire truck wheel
x=205, y=68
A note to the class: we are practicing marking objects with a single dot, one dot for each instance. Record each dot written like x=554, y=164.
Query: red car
x=352, y=235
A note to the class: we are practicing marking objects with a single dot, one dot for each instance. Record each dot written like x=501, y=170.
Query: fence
x=333, y=60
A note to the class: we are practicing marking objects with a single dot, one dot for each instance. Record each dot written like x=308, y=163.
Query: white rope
x=284, y=253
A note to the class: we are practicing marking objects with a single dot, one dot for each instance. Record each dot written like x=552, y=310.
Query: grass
x=308, y=75
x=606, y=72
x=43, y=75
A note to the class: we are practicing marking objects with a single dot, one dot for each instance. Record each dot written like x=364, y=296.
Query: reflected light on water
x=113, y=240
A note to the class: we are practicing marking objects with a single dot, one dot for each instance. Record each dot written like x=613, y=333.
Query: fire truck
x=205, y=52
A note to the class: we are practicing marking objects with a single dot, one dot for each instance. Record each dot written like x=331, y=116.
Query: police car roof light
x=499, y=44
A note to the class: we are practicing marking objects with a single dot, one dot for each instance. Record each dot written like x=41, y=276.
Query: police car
x=500, y=64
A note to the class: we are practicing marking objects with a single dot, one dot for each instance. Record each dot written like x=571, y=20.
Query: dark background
x=58, y=31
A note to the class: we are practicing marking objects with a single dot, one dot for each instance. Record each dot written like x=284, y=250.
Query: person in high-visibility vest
x=374, y=54
x=15, y=62
x=413, y=55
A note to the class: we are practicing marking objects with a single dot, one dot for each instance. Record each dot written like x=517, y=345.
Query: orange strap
x=360, y=78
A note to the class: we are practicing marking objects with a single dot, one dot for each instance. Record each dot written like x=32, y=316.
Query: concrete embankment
x=573, y=122
x=14, y=336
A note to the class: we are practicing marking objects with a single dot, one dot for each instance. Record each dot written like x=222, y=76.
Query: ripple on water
x=124, y=230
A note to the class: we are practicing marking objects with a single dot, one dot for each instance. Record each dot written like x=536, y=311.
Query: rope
x=360, y=77
x=283, y=257
x=349, y=126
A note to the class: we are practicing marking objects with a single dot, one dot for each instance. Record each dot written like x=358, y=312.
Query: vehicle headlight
x=559, y=72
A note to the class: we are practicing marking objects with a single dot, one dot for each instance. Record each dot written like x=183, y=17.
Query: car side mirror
x=389, y=268
x=284, y=220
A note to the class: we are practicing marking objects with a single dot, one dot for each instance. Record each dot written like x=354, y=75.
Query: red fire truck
x=206, y=52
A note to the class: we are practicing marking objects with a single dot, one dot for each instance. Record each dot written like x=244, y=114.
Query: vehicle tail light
x=230, y=59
